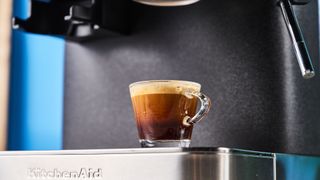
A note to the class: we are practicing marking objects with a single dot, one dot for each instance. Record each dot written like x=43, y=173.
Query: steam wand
x=299, y=44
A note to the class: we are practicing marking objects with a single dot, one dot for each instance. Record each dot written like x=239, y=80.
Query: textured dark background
x=239, y=50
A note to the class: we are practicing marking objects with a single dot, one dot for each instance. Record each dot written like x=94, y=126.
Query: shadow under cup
x=162, y=109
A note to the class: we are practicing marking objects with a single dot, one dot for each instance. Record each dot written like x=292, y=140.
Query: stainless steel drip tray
x=142, y=164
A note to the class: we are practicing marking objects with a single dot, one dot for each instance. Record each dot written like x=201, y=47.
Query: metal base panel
x=157, y=164
x=142, y=164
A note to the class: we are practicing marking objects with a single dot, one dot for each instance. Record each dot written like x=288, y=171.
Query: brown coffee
x=159, y=116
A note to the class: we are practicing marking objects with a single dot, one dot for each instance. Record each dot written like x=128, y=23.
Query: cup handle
x=203, y=111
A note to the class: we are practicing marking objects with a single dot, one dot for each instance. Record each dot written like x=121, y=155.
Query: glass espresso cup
x=166, y=110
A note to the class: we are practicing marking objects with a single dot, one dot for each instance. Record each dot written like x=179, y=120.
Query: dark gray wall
x=239, y=50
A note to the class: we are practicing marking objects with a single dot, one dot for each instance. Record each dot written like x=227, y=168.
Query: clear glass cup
x=167, y=2
x=166, y=110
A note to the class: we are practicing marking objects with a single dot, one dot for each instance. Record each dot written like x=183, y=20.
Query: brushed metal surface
x=142, y=164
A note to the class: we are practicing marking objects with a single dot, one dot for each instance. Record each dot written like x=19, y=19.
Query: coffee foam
x=162, y=87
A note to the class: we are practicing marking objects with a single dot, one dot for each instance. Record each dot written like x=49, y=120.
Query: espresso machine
x=257, y=60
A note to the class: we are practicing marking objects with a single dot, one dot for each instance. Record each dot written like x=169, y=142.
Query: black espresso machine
x=257, y=60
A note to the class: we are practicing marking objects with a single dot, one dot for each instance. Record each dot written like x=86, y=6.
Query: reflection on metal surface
x=224, y=168
x=157, y=163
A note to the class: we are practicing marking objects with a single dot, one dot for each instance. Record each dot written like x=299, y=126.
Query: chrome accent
x=297, y=38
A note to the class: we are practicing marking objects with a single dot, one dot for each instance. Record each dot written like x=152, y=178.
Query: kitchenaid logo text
x=82, y=173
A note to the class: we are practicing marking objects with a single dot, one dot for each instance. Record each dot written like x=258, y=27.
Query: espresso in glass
x=160, y=108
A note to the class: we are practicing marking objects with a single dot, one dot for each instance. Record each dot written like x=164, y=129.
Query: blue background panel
x=21, y=8
x=36, y=92
x=298, y=167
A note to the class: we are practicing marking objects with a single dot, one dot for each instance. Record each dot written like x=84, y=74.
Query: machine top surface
x=193, y=150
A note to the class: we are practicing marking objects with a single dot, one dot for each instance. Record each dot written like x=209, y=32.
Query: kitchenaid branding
x=56, y=173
